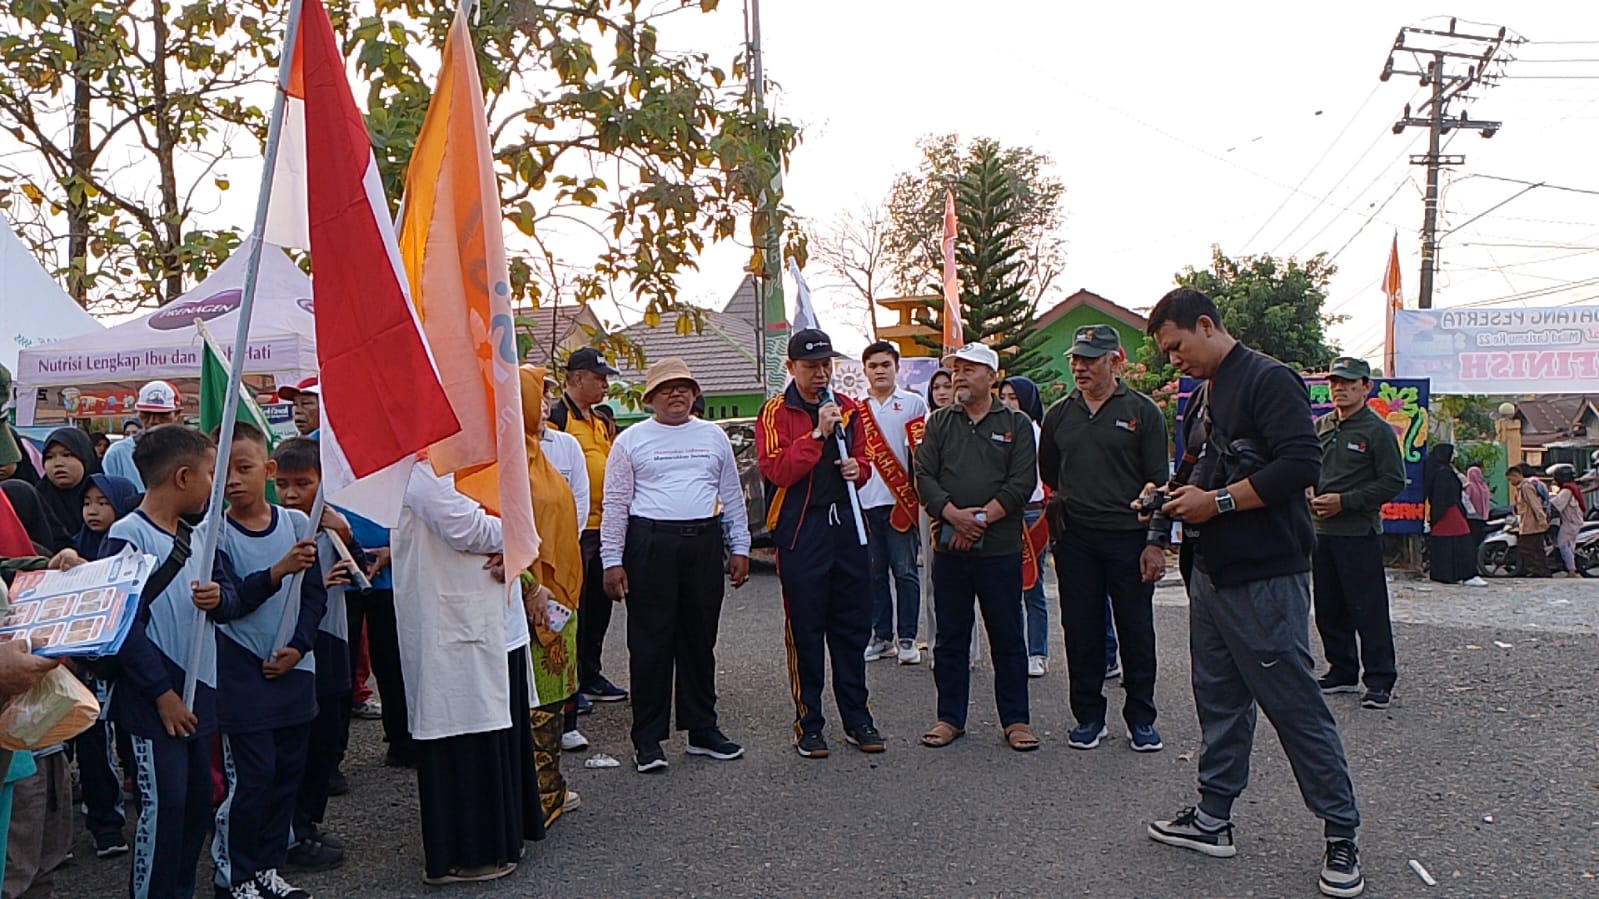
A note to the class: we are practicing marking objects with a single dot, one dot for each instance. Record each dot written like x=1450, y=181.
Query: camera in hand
x=1159, y=531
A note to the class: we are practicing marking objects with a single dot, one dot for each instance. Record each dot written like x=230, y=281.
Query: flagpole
x=291, y=606
x=212, y=531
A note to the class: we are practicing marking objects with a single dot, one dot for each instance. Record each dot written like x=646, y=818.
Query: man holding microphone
x=821, y=558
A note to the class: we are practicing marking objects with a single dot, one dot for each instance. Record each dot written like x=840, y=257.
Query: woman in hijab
x=69, y=460
x=1452, y=554
x=1021, y=394
x=559, y=572
x=1479, y=503
x=940, y=390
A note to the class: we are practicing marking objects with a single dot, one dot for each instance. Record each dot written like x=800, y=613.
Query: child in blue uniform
x=299, y=475
x=267, y=690
x=171, y=745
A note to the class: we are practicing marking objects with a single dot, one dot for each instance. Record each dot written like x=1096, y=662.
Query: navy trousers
x=175, y=783
x=102, y=785
x=330, y=733
x=995, y=584
x=263, y=772
x=828, y=605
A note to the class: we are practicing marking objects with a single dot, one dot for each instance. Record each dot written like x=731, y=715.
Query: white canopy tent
x=165, y=344
x=34, y=310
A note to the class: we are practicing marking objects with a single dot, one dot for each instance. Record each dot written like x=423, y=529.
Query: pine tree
x=997, y=302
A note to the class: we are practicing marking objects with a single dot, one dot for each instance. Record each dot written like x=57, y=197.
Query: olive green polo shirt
x=969, y=463
x=1360, y=461
x=1098, y=462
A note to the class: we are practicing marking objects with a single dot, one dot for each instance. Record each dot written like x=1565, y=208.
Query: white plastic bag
x=56, y=709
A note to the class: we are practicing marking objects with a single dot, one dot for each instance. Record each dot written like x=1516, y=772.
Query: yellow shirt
x=593, y=434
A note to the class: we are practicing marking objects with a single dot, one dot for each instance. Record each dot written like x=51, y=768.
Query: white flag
x=804, y=312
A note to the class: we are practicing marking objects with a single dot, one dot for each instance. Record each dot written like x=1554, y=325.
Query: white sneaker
x=574, y=741
x=879, y=649
x=573, y=801
x=908, y=653
x=1475, y=582
x=1037, y=666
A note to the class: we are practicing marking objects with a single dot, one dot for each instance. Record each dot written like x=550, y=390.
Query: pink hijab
x=1477, y=490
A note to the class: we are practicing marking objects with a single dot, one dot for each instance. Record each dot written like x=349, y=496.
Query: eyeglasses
x=675, y=388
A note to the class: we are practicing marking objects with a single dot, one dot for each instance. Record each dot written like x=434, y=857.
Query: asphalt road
x=1480, y=732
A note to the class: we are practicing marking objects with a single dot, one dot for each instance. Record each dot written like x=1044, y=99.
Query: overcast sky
x=1256, y=126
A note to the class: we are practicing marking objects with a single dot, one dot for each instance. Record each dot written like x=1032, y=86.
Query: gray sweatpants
x=1250, y=644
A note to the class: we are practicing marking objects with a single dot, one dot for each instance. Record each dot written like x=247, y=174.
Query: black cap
x=1348, y=368
x=810, y=345
x=589, y=359
x=1093, y=341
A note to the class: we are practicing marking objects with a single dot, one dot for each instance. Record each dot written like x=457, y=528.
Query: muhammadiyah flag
x=214, y=373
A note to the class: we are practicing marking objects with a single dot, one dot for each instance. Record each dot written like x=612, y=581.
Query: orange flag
x=954, y=333
x=454, y=252
x=1395, y=302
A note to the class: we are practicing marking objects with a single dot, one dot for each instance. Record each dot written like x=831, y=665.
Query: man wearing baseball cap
x=307, y=399
x=975, y=470
x=582, y=413
x=671, y=484
x=158, y=403
x=1361, y=469
x=821, y=561
x=1098, y=448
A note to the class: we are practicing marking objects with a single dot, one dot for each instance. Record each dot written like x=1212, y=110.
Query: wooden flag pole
x=211, y=532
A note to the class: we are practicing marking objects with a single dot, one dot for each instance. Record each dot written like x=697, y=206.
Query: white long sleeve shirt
x=566, y=454
x=456, y=623
x=664, y=472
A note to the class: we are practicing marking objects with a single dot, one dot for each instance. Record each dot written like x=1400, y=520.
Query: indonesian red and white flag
x=451, y=244
x=381, y=399
x=954, y=333
x=1393, y=302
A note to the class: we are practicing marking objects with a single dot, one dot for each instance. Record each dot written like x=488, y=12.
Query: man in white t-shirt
x=159, y=403
x=670, y=482
x=889, y=500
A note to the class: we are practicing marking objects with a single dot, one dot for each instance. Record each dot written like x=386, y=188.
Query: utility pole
x=767, y=229
x=1456, y=62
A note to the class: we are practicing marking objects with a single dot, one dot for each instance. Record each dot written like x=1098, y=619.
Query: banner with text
x=1470, y=351
x=1403, y=403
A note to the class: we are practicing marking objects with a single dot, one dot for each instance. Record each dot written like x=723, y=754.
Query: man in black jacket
x=1249, y=588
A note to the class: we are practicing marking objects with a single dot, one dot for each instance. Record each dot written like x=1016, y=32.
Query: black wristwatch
x=1224, y=502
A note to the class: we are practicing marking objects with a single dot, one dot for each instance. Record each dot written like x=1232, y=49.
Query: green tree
x=1275, y=306
x=1008, y=249
x=129, y=113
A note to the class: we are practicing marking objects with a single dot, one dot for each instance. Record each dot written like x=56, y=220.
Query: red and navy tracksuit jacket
x=820, y=561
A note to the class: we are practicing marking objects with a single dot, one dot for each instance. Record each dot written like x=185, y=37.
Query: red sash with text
x=1035, y=540
x=888, y=467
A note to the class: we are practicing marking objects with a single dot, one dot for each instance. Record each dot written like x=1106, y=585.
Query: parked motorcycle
x=1498, y=556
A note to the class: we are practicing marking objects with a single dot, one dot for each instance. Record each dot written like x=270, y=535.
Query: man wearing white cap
x=975, y=471
x=158, y=404
x=671, y=482
x=306, y=397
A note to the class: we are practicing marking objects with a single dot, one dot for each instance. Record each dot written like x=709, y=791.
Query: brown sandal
x=1021, y=738
x=941, y=734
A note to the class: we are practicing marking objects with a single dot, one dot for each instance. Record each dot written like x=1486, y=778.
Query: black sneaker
x=325, y=838
x=1376, y=699
x=311, y=856
x=649, y=758
x=866, y=738
x=392, y=759
x=1330, y=685
x=246, y=890
x=1340, y=872
x=585, y=706
x=602, y=690
x=811, y=746
x=712, y=742
x=338, y=784
x=110, y=845
x=274, y=886
x=1186, y=831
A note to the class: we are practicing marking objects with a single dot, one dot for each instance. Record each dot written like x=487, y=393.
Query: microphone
x=826, y=396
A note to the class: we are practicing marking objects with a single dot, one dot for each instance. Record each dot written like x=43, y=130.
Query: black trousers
x=827, y=600
x=175, y=783
x=1091, y=564
x=330, y=733
x=674, y=606
x=97, y=772
x=1351, y=593
x=375, y=609
x=253, y=824
x=593, y=611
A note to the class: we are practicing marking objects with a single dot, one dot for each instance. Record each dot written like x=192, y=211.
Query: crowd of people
x=483, y=672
